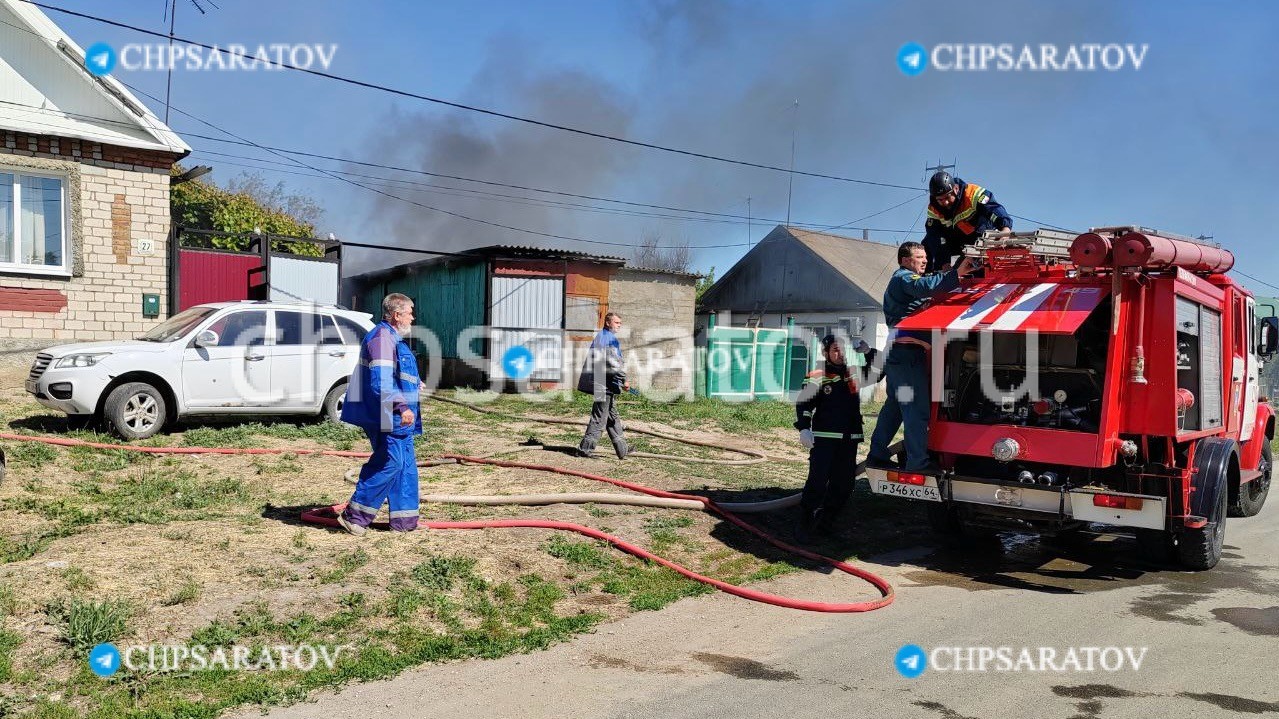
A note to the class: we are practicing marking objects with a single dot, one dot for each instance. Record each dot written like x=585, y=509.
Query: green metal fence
x=742, y=364
x=748, y=363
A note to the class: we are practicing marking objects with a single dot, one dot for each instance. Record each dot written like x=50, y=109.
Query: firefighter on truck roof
x=906, y=367
x=958, y=213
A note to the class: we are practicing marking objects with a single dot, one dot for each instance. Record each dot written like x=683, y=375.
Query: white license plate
x=908, y=491
x=31, y=386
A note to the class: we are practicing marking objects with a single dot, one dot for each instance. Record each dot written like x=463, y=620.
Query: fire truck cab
x=1107, y=378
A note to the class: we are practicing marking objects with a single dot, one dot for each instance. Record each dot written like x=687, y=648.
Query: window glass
x=352, y=332
x=178, y=325
x=241, y=329
x=6, y=217
x=289, y=328
x=326, y=330
x=41, y=221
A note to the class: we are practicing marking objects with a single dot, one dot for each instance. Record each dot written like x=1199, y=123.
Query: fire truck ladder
x=1021, y=253
x=1047, y=244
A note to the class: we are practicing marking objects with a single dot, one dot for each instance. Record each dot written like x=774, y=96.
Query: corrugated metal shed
x=447, y=298
x=47, y=90
x=528, y=311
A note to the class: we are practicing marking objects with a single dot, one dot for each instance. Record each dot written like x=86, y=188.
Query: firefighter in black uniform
x=829, y=419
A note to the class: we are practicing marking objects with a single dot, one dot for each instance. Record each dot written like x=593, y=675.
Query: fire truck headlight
x=1128, y=448
x=1006, y=449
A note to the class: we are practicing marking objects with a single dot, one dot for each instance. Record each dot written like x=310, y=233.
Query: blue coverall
x=906, y=368
x=384, y=384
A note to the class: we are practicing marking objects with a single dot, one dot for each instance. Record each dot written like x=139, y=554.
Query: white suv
x=214, y=359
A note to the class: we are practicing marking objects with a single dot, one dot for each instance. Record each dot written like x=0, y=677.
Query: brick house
x=84, y=193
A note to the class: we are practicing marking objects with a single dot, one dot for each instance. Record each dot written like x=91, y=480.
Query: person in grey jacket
x=604, y=378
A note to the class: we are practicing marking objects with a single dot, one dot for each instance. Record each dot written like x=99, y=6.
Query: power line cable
x=718, y=217
x=482, y=110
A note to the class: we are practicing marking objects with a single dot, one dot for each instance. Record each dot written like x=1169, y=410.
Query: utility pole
x=168, y=83
x=171, y=9
x=930, y=169
x=749, y=239
x=790, y=185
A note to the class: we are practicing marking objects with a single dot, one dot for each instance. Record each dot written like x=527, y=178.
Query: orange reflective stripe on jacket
x=973, y=195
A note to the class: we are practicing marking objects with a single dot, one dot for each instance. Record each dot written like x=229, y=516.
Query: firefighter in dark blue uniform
x=828, y=416
x=906, y=367
x=958, y=213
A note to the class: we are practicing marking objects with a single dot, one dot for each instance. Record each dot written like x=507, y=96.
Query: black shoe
x=623, y=451
x=826, y=521
x=878, y=463
x=805, y=526
x=587, y=454
x=803, y=532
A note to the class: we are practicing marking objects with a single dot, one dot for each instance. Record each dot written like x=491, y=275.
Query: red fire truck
x=1107, y=378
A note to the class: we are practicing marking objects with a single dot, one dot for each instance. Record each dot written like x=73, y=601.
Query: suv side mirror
x=207, y=338
x=1269, y=337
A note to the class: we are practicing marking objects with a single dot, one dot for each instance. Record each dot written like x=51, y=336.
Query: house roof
x=46, y=89
x=490, y=252
x=796, y=270
x=542, y=253
x=865, y=263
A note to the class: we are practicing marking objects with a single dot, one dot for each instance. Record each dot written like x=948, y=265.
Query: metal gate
x=211, y=266
x=527, y=311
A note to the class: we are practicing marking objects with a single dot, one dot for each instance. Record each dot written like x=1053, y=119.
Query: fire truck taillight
x=1005, y=450
x=1115, y=501
x=907, y=478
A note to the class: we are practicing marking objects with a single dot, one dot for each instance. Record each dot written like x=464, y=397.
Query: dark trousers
x=831, y=463
x=604, y=416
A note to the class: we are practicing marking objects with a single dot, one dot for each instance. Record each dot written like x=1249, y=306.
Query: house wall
x=117, y=198
x=657, y=328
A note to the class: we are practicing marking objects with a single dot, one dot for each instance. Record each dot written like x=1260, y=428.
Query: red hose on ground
x=327, y=516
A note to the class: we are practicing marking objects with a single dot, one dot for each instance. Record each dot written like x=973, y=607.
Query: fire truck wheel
x=1252, y=495
x=1200, y=549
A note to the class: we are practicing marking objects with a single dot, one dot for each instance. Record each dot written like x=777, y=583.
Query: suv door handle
x=337, y=353
x=255, y=358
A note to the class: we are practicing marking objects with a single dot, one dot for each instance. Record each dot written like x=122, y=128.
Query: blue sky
x=1189, y=143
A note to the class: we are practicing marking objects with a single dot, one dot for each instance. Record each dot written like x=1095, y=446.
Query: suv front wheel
x=135, y=410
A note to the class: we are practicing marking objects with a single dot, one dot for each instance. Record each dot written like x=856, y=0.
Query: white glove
x=806, y=438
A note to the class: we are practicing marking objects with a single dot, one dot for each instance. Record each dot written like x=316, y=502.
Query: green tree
x=704, y=282
x=244, y=205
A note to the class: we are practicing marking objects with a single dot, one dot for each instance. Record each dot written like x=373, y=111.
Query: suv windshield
x=178, y=325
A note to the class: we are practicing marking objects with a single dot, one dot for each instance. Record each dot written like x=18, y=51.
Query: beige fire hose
x=756, y=457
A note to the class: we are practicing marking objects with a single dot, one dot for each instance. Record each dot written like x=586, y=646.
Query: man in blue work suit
x=906, y=367
x=958, y=213
x=382, y=399
x=604, y=378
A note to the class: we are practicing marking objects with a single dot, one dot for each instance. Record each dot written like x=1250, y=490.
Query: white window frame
x=21, y=268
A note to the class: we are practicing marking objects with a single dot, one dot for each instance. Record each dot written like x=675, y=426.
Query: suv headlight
x=81, y=360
